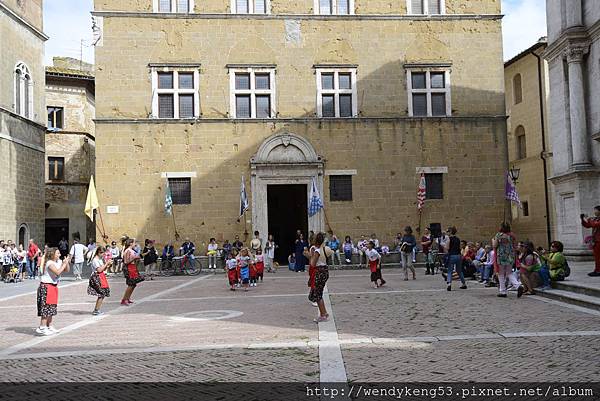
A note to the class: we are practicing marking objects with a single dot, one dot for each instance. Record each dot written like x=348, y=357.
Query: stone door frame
x=284, y=159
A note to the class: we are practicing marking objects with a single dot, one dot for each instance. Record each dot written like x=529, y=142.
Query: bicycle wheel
x=192, y=271
x=167, y=269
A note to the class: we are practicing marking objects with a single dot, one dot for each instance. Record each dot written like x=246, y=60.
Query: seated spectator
x=544, y=271
x=348, y=248
x=480, y=255
x=529, y=266
x=468, y=255
x=556, y=261
x=488, y=267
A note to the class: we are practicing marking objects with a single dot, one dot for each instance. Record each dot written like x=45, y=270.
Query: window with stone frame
x=181, y=190
x=429, y=92
x=340, y=188
x=252, y=92
x=336, y=92
x=174, y=6
x=521, y=142
x=23, y=90
x=425, y=7
x=334, y=7
x=517, y=89
x=434, y=183
x=55, y=118
x=175, y=93
x=56, y=168
x=251, y=6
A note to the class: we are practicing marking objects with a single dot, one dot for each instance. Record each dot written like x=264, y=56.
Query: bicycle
x=180, y=266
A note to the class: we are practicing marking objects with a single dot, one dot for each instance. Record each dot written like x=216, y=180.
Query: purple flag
x=510, y=191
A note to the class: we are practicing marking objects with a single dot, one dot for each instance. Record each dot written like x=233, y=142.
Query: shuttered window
x=175, y=93
x=181, y=190
x=253, y=92
x=432, y=7
x=434, y=186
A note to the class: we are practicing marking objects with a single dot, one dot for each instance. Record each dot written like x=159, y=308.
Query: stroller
x=12, y=274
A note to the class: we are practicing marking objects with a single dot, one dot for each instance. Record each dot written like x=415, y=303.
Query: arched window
x=521, y=142
x=23, y=91
x=517, y=89
x=23, y=236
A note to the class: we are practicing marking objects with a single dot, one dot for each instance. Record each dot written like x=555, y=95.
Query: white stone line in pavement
x=91, y=320
x=35, y=291
x=567, y=305
x=331, y=362
x=412, y=341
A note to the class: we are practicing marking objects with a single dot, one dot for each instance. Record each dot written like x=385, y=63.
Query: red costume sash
x=373, y=265
x=51, y=294
x=132, y=271
x=103, y=280
x=312, y=274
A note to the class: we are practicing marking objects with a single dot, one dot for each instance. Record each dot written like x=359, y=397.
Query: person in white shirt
x=362, y=247
x=212, y=253
x=270, y=247
x=374, y=264
x=77, y=253
x=47, y=293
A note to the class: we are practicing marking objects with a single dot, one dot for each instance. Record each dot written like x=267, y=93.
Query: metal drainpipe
x=543, y=152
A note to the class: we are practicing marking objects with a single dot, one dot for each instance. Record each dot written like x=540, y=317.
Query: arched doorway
x=23, y=235
x=282, y=171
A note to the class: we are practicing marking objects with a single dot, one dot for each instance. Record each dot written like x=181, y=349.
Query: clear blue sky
x=68, y=22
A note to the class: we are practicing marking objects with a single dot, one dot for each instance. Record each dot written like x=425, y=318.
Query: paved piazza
x=194, y=328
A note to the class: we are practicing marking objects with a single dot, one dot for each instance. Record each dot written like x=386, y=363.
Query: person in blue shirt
x=187, y=249
x=408, y=243
x=334, y=245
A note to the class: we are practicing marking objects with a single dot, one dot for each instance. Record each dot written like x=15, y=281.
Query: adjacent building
x=529, y=146
x=70, y=148
x=360, y=96
x=22, y=120
x=573, y=53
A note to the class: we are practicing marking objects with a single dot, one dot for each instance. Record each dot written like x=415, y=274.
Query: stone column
x=579, y=134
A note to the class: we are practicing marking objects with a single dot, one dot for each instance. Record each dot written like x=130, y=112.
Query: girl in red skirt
x=374, y=259
x=130, y=271
x=47, y=293
x=260, y=265
x=232, y=270
x=98, y=285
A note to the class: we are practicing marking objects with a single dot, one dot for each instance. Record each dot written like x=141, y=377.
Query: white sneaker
x=53, y=330
x=41, y=330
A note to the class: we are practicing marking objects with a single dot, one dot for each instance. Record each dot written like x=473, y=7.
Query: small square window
x=328, y=106
x=164, y=6
x=419, y=104
x=165, y=106
x=165, y=80
x=345, y=81
x=242, y=6
x=55, y=118
x=340, y=188
x=327, y=81
x=263, y=81
x=343, y=7
x=438, y=104
x=181, y=190
x=263, y=106
x=434, y=184
x=56, y=168
x=242, y=106
x=345, y=105
x=325, y=6
x=260, y=6
x=186, y=106
x=242, y=81
x=418, y=80
x=183, y=6
x=438, y=80
x=186, y=80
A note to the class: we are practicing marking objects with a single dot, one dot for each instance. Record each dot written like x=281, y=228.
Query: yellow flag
x=91, y=202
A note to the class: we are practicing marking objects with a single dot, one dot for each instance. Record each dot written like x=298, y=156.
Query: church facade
x=360, y=96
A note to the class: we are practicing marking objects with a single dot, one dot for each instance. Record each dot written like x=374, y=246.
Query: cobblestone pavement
x=195, y=329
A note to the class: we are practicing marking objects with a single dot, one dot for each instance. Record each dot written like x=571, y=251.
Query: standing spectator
x=299, y=247
x=187, y=251
x=406, y=249
x=32, y=255
x=256, y=243
x=454, y=259
x=78, y=255
x=426, y=242
x=22, y=261
x=311, y=238
x=334, y=245
x=212, y=253
x=150, y=257
x=270, y=247
x=115, y=256
x=348, y=248
x=63, y=247
x=362, y=247
x=237, y=244
x=594, y=224
x=504, y=247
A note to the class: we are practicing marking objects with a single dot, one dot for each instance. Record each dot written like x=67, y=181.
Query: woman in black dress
x=299, y=247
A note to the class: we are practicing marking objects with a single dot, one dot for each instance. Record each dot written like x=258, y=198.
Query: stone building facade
x=361, y=96
x=573, y=53
x=70, y=148
x=529, y=146
x=22, y=113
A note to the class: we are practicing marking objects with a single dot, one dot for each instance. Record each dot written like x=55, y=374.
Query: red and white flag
x=421, y=193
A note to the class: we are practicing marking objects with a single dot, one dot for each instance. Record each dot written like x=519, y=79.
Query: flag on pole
x=244, y=206
x=510, y=191
x=168, y=199
x=421, y=193
x=91, y=202
x=316, y=203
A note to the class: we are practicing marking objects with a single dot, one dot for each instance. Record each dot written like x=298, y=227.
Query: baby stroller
x=13, y=274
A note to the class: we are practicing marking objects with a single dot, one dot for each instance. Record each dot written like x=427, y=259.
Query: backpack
x=567, y=269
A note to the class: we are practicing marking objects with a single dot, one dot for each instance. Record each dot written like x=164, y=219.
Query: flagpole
x=103, y=232
x=177, y=236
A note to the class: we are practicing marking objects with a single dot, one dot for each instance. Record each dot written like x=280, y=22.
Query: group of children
x=245, y=269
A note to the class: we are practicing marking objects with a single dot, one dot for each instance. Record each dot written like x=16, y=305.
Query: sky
x=68, y=23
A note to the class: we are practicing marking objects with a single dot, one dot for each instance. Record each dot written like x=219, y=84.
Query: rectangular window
x=55, y=118
x=175, y=93
x=164, y=6
x=252, y=92
x=334, y=7
x=173, y=6
x=250, y=6
x=431, y=7
x=336, y=92
x=340, y=188
x=521, y=147
x=181, y=190
x=56, y=168
x=525, y=208
x=428, y=92
x=183, y=6
x=434, y=186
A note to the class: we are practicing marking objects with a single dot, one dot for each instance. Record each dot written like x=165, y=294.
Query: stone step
x=574, y=298
x=579, y=288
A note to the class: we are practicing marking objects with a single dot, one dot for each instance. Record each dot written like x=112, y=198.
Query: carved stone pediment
x=286, y=148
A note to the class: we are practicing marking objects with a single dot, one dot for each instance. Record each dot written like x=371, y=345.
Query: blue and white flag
x=315, y=203
x=510, y=191
x=243, y=199
x=168, y=200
